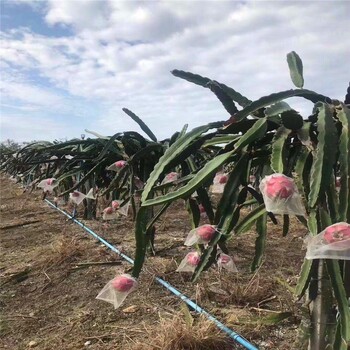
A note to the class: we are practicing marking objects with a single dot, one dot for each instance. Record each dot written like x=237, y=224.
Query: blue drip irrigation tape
x=232, y=334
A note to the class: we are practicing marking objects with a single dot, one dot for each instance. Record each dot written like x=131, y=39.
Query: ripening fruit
x=337, y=181
x=337, y=232
x=206, y=232
x=172, y=175
x=50, y=181
x=279, y=187
x=108, y=211
x=123, y=283
x=120, y=164
x=223, y=179
x=224, y=259
x=193, y=258
x=226, y=262
x=48, y=184
x=201, y=209
x=115, y=205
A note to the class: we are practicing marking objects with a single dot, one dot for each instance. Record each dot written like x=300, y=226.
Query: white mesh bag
x=173, y=176
x=202, y=211
x=90, y=194
x=48, y=184
x=194, y=194
x=219, y=183
x=115, y=204
x=124, y=210
x=77, y=197
x=59, y=201
x=116, y=290
x=109, y=214
x=201, y=235
x=331, y=243
x=189, y=263
x=227, y=263
x=116, y=166
x=281, y=195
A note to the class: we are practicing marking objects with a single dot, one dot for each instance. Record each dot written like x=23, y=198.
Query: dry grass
x=44, y=257
x=63, y=250
x=251, y=292
x=177, y=334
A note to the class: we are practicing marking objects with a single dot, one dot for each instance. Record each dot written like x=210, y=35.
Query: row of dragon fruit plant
x=274, y=159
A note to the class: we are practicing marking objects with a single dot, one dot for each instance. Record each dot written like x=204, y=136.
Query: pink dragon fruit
x=115, y=205
x=281, y=195
x=120, y=164
x=200, y=235
x=123, y=283
x=193, y=258
x=223, y=179
x=51, y=181
x=173, y=176
x=337, y=181
x=337, y=232
x=108, y=210
x=116, y=166
x=226, y=262
x=116, y=290
x=189, y=262
x=331, y=243
x=279, y=186
x=206, y=232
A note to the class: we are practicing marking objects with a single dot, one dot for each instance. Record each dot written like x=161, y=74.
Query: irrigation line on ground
x=232, y=334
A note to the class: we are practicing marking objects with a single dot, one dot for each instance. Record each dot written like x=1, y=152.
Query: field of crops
x=223, y=212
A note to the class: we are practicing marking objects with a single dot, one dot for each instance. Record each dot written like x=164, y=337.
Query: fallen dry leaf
x=130, y=309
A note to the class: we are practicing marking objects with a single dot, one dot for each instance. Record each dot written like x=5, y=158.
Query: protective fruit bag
x=201, y=235
x=189, y=263
x=117, y=289
x=281, y=195
x=77, y=197
x=227, y=263
x=331, y=243
x=219, y=183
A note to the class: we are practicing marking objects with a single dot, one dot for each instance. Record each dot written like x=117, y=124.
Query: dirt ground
x=49, y=284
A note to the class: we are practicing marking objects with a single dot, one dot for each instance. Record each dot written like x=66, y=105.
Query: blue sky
x=70, y=65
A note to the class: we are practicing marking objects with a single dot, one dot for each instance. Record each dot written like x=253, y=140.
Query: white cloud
x=82, y=13
x=122, y=52
x=30, y=94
